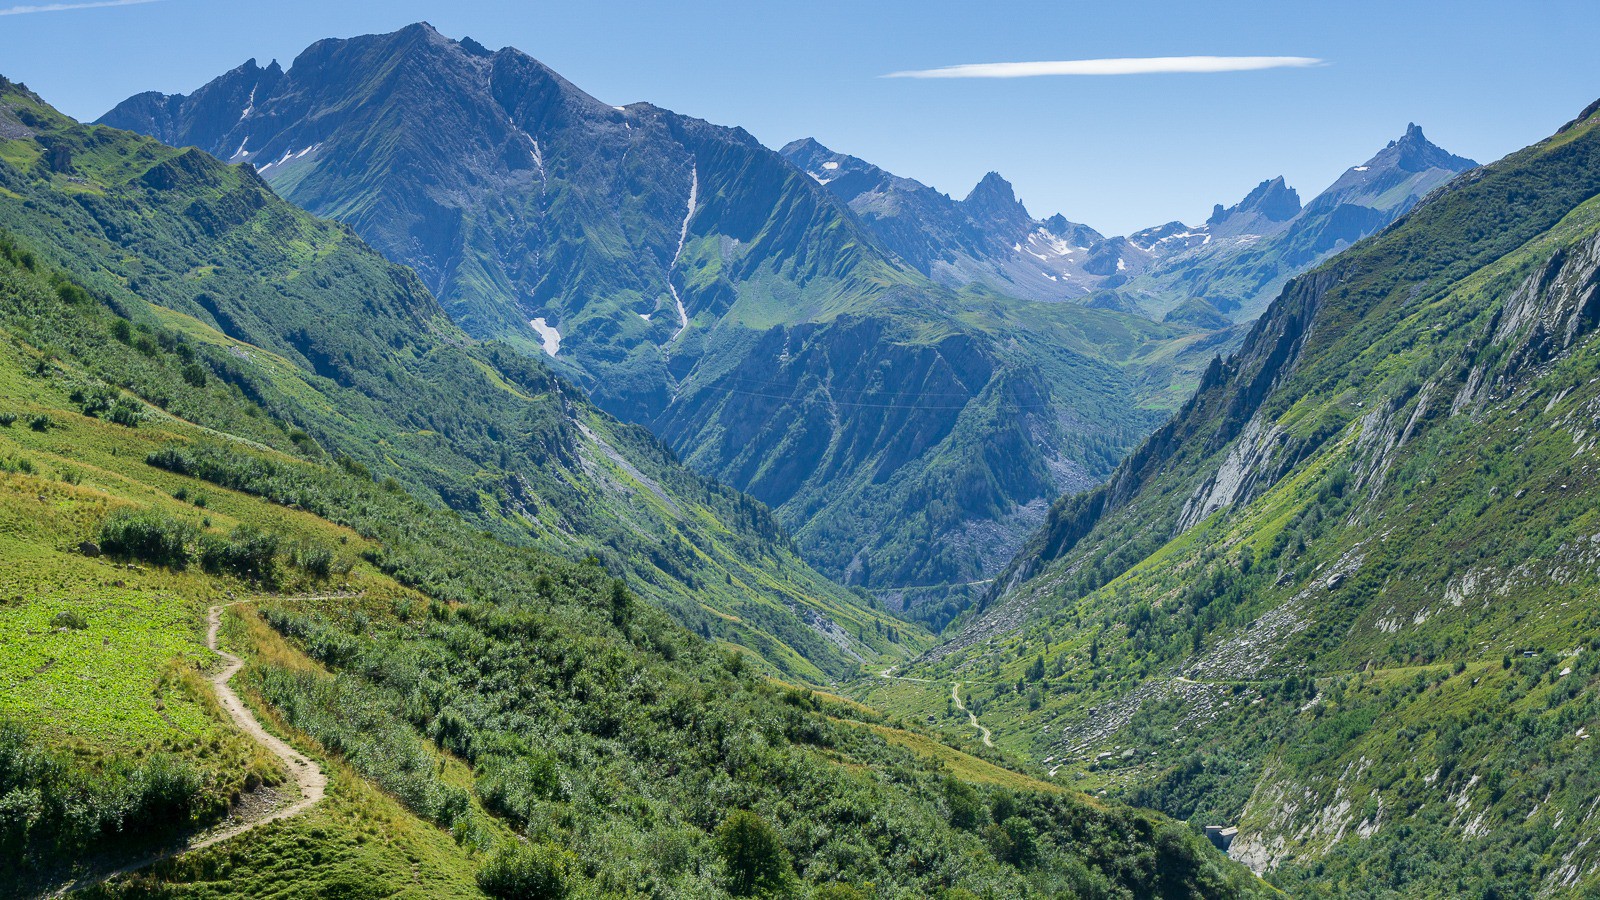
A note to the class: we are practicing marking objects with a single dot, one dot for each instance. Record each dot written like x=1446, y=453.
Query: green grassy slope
x=298, y=317
x=460, y=692
x=1346, y=598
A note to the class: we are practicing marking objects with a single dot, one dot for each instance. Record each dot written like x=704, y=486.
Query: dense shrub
x=526, y=872
x=52, y=809
x=125, y=411
x=248, y=554
x=148, y=537
x=754, y=855
x=314, y=559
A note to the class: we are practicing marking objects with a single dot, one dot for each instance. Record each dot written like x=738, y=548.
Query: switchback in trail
x=308, y=777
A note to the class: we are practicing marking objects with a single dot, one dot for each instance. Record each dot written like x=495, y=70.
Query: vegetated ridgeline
x=1345, y=599
x=356, y=354
x=309, y=780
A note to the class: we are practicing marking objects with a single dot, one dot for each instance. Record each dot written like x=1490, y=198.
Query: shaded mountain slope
x=664, y=263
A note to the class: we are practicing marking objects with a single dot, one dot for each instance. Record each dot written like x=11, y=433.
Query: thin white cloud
x=1147, y=65
x=62, y=7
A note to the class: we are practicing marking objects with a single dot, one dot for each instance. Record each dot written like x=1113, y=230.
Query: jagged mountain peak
x=992, y=189
x=1074, y=232
x=474, y=48
x=993, y=200
x=1413, y=152
x=1272, y=200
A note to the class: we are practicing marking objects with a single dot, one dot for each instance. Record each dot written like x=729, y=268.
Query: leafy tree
x=1015, y=840
x=967, y=809
x=754, y=854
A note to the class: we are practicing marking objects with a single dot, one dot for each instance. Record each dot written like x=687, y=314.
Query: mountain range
x=1209, y=275
x=358, y=359
x=691, y=280
x=907, y=419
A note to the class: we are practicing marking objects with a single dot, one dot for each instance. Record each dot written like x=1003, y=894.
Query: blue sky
x=1119, y=152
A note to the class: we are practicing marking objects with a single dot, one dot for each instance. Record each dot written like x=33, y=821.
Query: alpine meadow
x=421, y=478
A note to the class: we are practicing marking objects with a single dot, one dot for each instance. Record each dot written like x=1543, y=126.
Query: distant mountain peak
x=1413, y=152
x=992, y=188
x=804, y=145
x=994, y=200
x=1413, y=134
x=1272, y=200
x=474, y=48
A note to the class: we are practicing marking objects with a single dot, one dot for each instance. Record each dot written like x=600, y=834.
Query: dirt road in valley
x=955, y=695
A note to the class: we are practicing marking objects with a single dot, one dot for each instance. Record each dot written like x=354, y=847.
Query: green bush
x=248, y=553
x=754, y=854
x=93, y=401
x=7, y=419
x=52, y=808
x=40, y=422
x=527, y=872
x=314, y=559
x=72, y=293
x=147, y=536
x=126, y=411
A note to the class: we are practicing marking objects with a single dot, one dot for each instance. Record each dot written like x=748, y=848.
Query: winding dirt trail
x=308, y=777
x=955, y=695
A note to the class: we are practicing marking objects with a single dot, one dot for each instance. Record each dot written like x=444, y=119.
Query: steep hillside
x=1346, y=598
x=684, y=275
x=1208, y=275
x=302, y=319
x=491, y=720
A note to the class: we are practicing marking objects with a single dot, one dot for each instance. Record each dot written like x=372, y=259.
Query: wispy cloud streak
x=1146, y=65
x=63, y=7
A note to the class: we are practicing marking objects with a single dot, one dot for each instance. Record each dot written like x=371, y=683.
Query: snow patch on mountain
x=549, y=335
